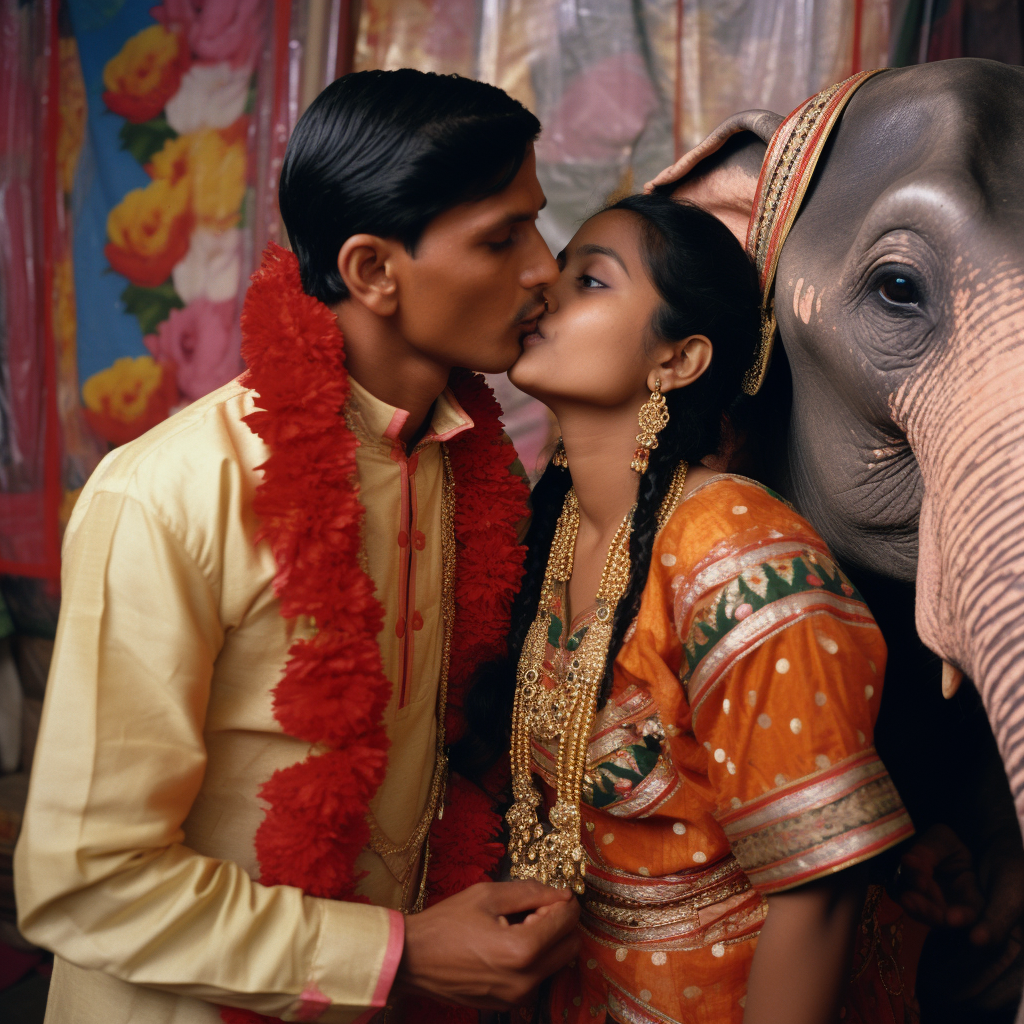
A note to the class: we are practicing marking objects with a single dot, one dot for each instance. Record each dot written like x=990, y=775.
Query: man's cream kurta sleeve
x=136, y=858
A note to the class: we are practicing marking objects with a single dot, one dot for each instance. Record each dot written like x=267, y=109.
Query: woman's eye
x=899, y=290
x=586, y=281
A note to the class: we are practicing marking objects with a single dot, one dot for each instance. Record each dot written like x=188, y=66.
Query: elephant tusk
x=951, y=679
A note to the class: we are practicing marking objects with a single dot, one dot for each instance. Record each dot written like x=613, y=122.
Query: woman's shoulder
x=733, y=537
x=726, y=515
x=724, y=505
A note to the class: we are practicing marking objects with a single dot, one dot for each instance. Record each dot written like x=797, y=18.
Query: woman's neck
x=599, y=444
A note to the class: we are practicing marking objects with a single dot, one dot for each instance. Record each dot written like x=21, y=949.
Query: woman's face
x=592, y=346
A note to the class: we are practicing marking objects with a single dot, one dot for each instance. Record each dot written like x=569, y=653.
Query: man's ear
x=366, y=265
x=720, y=175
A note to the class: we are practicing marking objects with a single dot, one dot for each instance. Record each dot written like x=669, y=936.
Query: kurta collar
x=382, y=422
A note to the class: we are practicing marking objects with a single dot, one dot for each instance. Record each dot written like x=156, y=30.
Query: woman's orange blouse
x=733, y=759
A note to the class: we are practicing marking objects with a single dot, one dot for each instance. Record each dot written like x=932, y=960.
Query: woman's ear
x=689, y=358
x=366, y=266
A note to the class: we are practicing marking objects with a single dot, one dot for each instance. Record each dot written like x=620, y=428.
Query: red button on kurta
x=400, y=628
x=417, y=620
x=418, y=540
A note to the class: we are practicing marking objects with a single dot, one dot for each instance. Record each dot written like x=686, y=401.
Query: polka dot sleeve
x=782, y=666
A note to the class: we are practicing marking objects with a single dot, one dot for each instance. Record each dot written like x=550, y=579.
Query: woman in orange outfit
x=696, y=681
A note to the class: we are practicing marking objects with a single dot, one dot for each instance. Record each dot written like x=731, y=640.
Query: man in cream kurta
x=156, y=556
x=136, y=864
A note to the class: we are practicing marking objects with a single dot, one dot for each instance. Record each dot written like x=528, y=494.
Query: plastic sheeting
x=29, y=444
x=622, y=86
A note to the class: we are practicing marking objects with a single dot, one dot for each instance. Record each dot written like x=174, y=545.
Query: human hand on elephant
x=941, y=887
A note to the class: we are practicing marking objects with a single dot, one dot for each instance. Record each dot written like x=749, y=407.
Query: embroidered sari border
x=835, y=855
x=660, y=889
x=762, y=625
x=726, y=567
x=819, y=825
x=810, y=792
x=630, y=1009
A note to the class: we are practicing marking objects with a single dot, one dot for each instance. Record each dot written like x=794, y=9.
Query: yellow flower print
x=145, y=74
x=149, y=232
x=72, y=113
x=214, y=169
x=126, y=399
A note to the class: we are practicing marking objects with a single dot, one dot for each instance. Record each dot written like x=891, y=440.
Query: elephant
x=893, y=412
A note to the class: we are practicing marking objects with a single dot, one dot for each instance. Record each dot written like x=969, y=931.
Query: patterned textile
x=755, y=775
x=786, y=173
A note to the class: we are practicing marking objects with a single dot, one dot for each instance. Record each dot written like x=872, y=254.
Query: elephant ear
x=721, y=173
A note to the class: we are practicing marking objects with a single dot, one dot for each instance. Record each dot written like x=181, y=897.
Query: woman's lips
x=533, y=338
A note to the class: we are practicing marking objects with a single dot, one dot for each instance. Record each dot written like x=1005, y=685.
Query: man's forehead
x=518, y=202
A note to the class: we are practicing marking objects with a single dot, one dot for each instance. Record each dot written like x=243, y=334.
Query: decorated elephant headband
x=792, y=156
x=786, y=173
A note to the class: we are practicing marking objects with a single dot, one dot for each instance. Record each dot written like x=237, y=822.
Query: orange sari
x=733, y=759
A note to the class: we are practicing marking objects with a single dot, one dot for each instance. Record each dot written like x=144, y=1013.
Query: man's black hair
x=385, y=152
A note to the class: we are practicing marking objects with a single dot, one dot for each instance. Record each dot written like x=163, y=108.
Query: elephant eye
x=899, y=290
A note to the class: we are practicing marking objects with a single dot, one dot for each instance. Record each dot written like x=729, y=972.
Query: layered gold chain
x=565, y=711
x=402, y=859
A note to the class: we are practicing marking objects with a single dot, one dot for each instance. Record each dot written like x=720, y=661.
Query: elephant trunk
x=963, y=413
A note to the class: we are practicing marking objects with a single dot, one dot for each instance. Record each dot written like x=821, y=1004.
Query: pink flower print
x=742, y=611
x=623, y=786
x=202, y=342
x=815, y=581
x=217, y=30
x=847, y=590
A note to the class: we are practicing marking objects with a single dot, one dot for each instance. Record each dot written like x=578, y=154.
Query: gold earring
x=653, y=419
x=559, y=458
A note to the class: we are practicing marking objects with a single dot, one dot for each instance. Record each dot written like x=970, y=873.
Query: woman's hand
x=804, y=951
x=464, y=950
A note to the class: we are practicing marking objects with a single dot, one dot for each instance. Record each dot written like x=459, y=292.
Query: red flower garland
x=334, y=691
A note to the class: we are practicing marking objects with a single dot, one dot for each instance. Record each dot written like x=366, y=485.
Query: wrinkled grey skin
x=906, y=440
x=905, y=444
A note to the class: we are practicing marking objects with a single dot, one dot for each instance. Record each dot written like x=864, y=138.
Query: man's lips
x=528, y=325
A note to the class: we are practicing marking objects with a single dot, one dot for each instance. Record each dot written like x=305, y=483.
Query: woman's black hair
x=385, y=152
x=709, y=286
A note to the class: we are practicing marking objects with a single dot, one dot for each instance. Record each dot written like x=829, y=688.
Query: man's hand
x=464, y=950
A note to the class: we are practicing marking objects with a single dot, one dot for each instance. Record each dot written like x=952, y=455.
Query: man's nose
x=542, y=269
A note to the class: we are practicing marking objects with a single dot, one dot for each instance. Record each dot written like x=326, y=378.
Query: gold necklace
x=555, y=856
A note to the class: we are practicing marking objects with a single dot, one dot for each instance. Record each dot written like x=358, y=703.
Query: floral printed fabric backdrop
x=163, y=198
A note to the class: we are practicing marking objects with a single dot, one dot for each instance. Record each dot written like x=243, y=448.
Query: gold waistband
x=672, y=912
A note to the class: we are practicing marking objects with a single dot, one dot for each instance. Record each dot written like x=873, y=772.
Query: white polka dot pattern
x=828, y=644
x=795, y=725
x=782, y=666
x=668, y=559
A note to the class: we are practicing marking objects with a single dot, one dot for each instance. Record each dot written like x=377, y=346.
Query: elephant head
x=899, y=296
